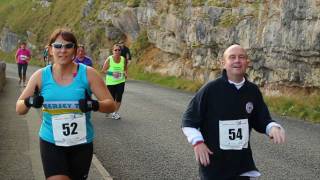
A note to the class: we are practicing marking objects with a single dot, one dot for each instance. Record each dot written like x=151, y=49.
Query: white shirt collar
x=238, y=85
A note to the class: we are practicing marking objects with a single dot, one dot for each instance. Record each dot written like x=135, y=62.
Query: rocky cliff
x=187, y=38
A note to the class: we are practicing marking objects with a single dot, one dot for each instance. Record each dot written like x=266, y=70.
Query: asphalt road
x=147, y=143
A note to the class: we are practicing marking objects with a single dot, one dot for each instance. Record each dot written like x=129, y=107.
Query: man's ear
x=221, y=63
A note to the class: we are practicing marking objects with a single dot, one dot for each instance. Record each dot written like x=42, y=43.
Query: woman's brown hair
x=66, y=34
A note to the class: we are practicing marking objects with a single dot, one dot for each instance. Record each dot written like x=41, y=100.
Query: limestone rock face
x=8, y=40
x=282, y=37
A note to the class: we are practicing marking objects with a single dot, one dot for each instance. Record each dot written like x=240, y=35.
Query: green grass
x=198, y=2
x=21, y=16
x=221, y=3
x=228, y=20
x=136, y=72
x=301, y=106
x=140, y=44
x=133, y=3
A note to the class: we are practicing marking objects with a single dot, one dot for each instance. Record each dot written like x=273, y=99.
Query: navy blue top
x=220, y=101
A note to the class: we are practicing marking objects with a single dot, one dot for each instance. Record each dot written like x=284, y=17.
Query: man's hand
x=202, y=153
x=277, y=135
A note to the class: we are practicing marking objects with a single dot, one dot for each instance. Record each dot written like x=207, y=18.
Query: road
x=147, y=143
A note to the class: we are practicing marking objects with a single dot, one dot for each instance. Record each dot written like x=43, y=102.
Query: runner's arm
x=105, y=66
x=100, y=90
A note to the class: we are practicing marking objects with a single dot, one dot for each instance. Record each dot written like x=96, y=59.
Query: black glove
x=88, y=104
x=35, y=101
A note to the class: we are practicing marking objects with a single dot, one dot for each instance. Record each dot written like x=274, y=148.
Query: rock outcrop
x=281, y=36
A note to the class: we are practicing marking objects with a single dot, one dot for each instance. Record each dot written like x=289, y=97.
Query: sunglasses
x=117, y=50
x=60, y=45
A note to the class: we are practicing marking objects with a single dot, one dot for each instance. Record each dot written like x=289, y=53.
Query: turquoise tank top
x=62, y=100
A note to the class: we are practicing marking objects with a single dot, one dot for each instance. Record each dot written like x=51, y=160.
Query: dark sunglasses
x=60, y=45
x=117, y=50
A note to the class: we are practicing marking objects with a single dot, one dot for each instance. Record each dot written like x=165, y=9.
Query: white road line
x=104, y=173
x=12, y=77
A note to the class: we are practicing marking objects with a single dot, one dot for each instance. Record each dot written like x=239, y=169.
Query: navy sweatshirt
x=220, y=101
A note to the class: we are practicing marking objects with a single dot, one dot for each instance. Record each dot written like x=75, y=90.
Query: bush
x=133, y=3
x=140, y=44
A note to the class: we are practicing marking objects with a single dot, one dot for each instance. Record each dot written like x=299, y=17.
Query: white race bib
x=23, y=57
x=234, y=134
x=117, y=75
x=69, y=129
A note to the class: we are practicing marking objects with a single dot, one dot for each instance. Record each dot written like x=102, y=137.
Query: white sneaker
x=116, y=115
x=113, y=115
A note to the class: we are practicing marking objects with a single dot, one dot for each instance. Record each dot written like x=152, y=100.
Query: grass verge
x=300, y=106
x=136, y=72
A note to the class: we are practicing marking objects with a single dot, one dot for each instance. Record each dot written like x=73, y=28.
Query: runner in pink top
x=23, y=56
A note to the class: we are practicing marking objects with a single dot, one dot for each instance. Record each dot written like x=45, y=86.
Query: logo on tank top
x=249, y=107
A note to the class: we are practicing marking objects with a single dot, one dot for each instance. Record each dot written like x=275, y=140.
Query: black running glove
x=35, y=101
x=88, y=104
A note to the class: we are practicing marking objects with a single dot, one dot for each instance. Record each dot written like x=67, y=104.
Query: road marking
x=12, y=77
x=104, y=173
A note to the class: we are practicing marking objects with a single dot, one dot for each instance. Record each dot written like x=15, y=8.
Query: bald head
x=233, y=48
x=235, y=62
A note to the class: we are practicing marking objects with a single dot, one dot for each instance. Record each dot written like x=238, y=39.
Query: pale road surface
x=147, y=143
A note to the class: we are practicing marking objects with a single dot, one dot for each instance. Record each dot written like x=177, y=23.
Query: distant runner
x=125, y=52
x=45, y=55
x=82, y=58
x=23, y=57
x=116, y=73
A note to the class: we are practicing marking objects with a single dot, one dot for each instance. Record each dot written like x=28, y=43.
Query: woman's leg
x=19, y=72
x=24, y=73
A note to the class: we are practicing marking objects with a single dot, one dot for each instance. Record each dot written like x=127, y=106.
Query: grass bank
x=136, y=72
x=298, y=105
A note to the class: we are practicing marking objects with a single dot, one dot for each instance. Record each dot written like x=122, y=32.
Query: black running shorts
x=73, y=161
x=116, y=91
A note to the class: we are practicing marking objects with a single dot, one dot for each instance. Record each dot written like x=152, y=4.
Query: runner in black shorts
x=63, y=91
